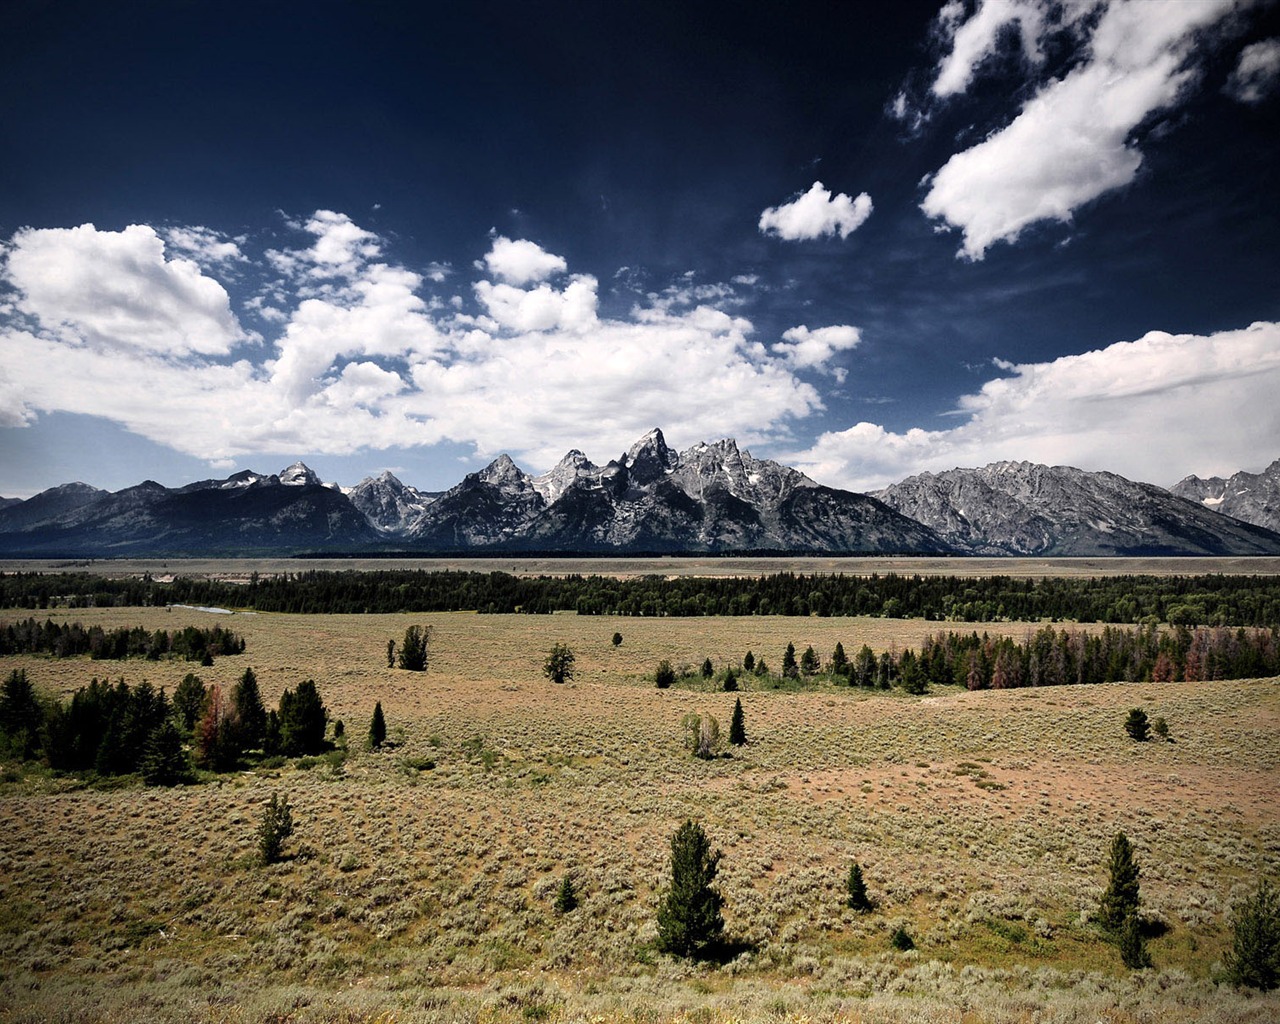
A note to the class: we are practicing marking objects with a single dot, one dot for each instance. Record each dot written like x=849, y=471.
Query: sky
x=865, y=239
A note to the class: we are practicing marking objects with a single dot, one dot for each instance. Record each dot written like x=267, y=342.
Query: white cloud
x=362, y=362
x=521, y=262
x=1073, y=140
x=816, y=213
x=205, y=246
x=1153, y=409
x=1257, y=72
x=116, y=290
x=806, y=349
x=975, y=40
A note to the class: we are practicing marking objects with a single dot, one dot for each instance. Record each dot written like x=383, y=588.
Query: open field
x=410, y=893
x=242, y=568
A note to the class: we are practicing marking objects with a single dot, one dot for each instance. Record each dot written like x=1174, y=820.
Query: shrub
x=1254, y=957
x=664, y=675
x=617, y=639
x=1136, y=725
x=701, y=735
x=901, y=939
x=689, y=920
x=857, y=888
x=276, y=826
x=1161, y=728
x=559, y=666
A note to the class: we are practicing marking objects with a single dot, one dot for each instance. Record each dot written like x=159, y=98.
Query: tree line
x=70, y=640
x=1199, y=600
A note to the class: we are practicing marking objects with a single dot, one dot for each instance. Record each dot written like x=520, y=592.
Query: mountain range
x=710, y=498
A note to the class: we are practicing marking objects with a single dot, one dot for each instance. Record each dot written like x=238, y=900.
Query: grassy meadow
x=419, y=882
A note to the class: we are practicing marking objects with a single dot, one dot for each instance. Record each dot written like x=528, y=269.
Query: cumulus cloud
x=816, y=213
x=1073, y=140
x=116, y=290
x=1256, y=73
x=520, y=262
x=806, y=349
x=1139, y=408
x=203, y=245
x=361, y=360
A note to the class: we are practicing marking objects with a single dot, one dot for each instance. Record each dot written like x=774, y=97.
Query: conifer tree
x=857, y=888
x=566, y=896
x=276, y=826
x=188, y=700
x=708, y=670
x=414, y=649
x=1137, y=726
x=303, y=719
x=250, y=713
x=789, y=668
x=730, y=680
x=617, y=639
x=20, y=715
x=377, y=728
x=1120, y=899
x=749, y=662
x=664, y=675
x=1254, y=957
x=809, y=664
x=391, y=653
x=1133, y=946
x=689, y=920
x=559, y=666
x=738, y=725
x=839, y=660
x=164, y=761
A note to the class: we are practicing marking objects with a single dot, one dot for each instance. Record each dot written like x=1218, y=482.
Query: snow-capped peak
x=300, y=475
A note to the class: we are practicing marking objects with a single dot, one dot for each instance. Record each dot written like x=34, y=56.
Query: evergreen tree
x=689, y=921
x=617, y=639
x=730, y=681
x=789, y=667
x=566, y=896
x=377, y=728
x=839, y=661
x=1136, y=725
x=708, y=670
x=391, y=653
x=250, y=713
x=1120, y=899
x=738, y=725
x=864, y=667
x=20, y=715
x=664, y=675
x=749, y=662
x=559, y=666
x=164, y=761
x=216, y=736
x=1254, y=957
x=275, y=827
x=1133, y=946
x=901, y=939
x=303, y=719
x=809, y=664
x=272, y=744
x=414, y=649
x=188, y=701
x=857, y=888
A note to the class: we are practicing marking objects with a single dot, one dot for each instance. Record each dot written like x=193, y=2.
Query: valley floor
x=419, y=882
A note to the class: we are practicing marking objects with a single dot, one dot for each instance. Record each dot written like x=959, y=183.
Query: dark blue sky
x=1126, y=185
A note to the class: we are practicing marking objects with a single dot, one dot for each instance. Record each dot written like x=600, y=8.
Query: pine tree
x=1133, y=947
x=164, y=761
x=689, y=921
x=391, y=653
x=857, y=888
x=789, y=668
x=1136, y=725
x=730, y=680
x=664, y=675
x=839, y=660
x=377, y=728
x=250, y=713
x=708, y=670
x=1254, y=957
x=617, y=639
x=1120, y=899
x=809, y=662
x=738, y=725
x=559, y=666
x=566, y=896
x=20, y=715
x=276, y=826
x=188, y=700
x=303, y=719
x=749, y=662
x=414, y=649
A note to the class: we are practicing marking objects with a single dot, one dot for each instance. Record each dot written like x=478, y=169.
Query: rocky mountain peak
x=300, y=475
x=573, y=467
x=650, y=458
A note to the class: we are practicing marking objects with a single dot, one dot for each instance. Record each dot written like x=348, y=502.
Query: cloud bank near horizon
x=365, y=354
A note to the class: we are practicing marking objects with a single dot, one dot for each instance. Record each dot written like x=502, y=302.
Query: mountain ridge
x=711, y=498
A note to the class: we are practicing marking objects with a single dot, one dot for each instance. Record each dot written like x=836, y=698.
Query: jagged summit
x=1250, y=497
x=299, y=475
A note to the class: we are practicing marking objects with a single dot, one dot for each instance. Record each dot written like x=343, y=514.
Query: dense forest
x=71, y=639
x=1213, y=600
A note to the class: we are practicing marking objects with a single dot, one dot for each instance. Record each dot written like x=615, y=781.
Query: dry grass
x=981, y=821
